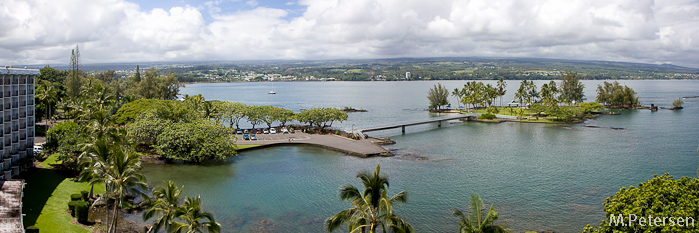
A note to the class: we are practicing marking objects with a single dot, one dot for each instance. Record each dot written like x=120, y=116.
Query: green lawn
x=245, y=146
x=46, y=198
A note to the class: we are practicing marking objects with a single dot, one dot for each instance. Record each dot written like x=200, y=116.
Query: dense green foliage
x=477, y=94
x=65, y=137
x=372, y=208
x=571, y=88
x=438, y=96
x=486, y=116
x=614, y=95
x=662, y=199
x=167, y=204
x=195, y=141
x=476, y=221
x=321, y=117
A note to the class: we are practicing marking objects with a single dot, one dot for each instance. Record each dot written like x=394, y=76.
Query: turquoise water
x=540, y=176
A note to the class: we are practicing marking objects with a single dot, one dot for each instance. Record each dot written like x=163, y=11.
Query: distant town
x=404, y=70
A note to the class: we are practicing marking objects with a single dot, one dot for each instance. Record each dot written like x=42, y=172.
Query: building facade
x=18, y=115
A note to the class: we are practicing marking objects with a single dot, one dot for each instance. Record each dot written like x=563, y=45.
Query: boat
x=271, y=92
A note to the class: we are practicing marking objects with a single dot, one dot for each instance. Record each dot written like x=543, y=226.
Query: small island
x=561, y=102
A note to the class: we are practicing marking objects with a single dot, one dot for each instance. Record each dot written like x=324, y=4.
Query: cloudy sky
x=44, y=32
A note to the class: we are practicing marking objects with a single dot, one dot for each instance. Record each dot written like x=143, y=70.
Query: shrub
x=486, y=116
x=81, y=211
x=71, y=206
x=661, y=196
x=677, y=103
x=84, y=195
x=32, y=229
x=75, y=197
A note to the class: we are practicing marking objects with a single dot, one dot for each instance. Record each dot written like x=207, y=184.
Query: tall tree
x=73, y=81
x=501, y=89
x=373, y=209
x=571, y=88
x=476, y=221
x=438, y=96
x=47, y=94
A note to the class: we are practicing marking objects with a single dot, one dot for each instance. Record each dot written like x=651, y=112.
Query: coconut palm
x=372, y=207
x=46, y=93
x=476, y=222
x=501, y=89
x=122, y=177
x=194, y=218
x=165, y=202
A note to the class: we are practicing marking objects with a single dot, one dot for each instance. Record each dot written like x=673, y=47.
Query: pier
x=402, y=125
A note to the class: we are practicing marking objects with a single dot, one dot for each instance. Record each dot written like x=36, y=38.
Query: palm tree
x=475, y=222
x=193, y=216
x=166, y=202
x=501, y=89
x=122, y=177
x=46, y=93
x=372, y=208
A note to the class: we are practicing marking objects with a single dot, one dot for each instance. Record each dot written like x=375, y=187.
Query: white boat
x=271, y=92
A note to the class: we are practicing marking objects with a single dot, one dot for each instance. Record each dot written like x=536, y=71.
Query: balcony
x=30, y=124
x=23, y=81
x=15, y=105
x=8, y=106
x=7, y=81
x=15, y=127
x=22, y=127
x=8, y=118
x=15, y=140
x=30, y=91
x=7, y=94
x=15, y=93
x=23, y=92
x=22, y=104
x=15, y=116
x=29, y=113
x=22, y=138
x=15, y=81
x=30, y=101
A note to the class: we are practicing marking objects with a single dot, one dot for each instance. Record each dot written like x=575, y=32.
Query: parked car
x=239, y=132
x=253, y=137
x=284, y=130
x=246, y=137
x=291, y=131
x=246, y=131
x=265, y=131
x=259, y=131
x=273, y=131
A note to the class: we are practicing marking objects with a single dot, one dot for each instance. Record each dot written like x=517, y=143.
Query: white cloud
x=119, y=31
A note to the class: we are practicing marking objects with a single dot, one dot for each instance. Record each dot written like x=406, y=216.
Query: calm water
x=540, y=177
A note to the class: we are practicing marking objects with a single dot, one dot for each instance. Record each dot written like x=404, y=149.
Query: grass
x=238, y=147
x=46, y=198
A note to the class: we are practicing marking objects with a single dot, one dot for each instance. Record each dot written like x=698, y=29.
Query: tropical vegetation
x=438, y=97
x=476, y=221
x=372, y=209
x=662, y=199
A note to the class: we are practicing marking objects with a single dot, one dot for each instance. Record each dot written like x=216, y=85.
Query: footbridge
x=402, y=125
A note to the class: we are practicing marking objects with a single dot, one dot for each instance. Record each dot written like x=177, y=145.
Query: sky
x=128, y=31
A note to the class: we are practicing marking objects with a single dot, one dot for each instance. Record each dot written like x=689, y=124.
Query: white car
x=265, y=131
x=284, y=130
x=273, y=131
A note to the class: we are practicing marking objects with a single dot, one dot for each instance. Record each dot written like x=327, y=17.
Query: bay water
x=538, y=176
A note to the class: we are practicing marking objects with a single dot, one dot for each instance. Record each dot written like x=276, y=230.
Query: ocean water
x=539, y=176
